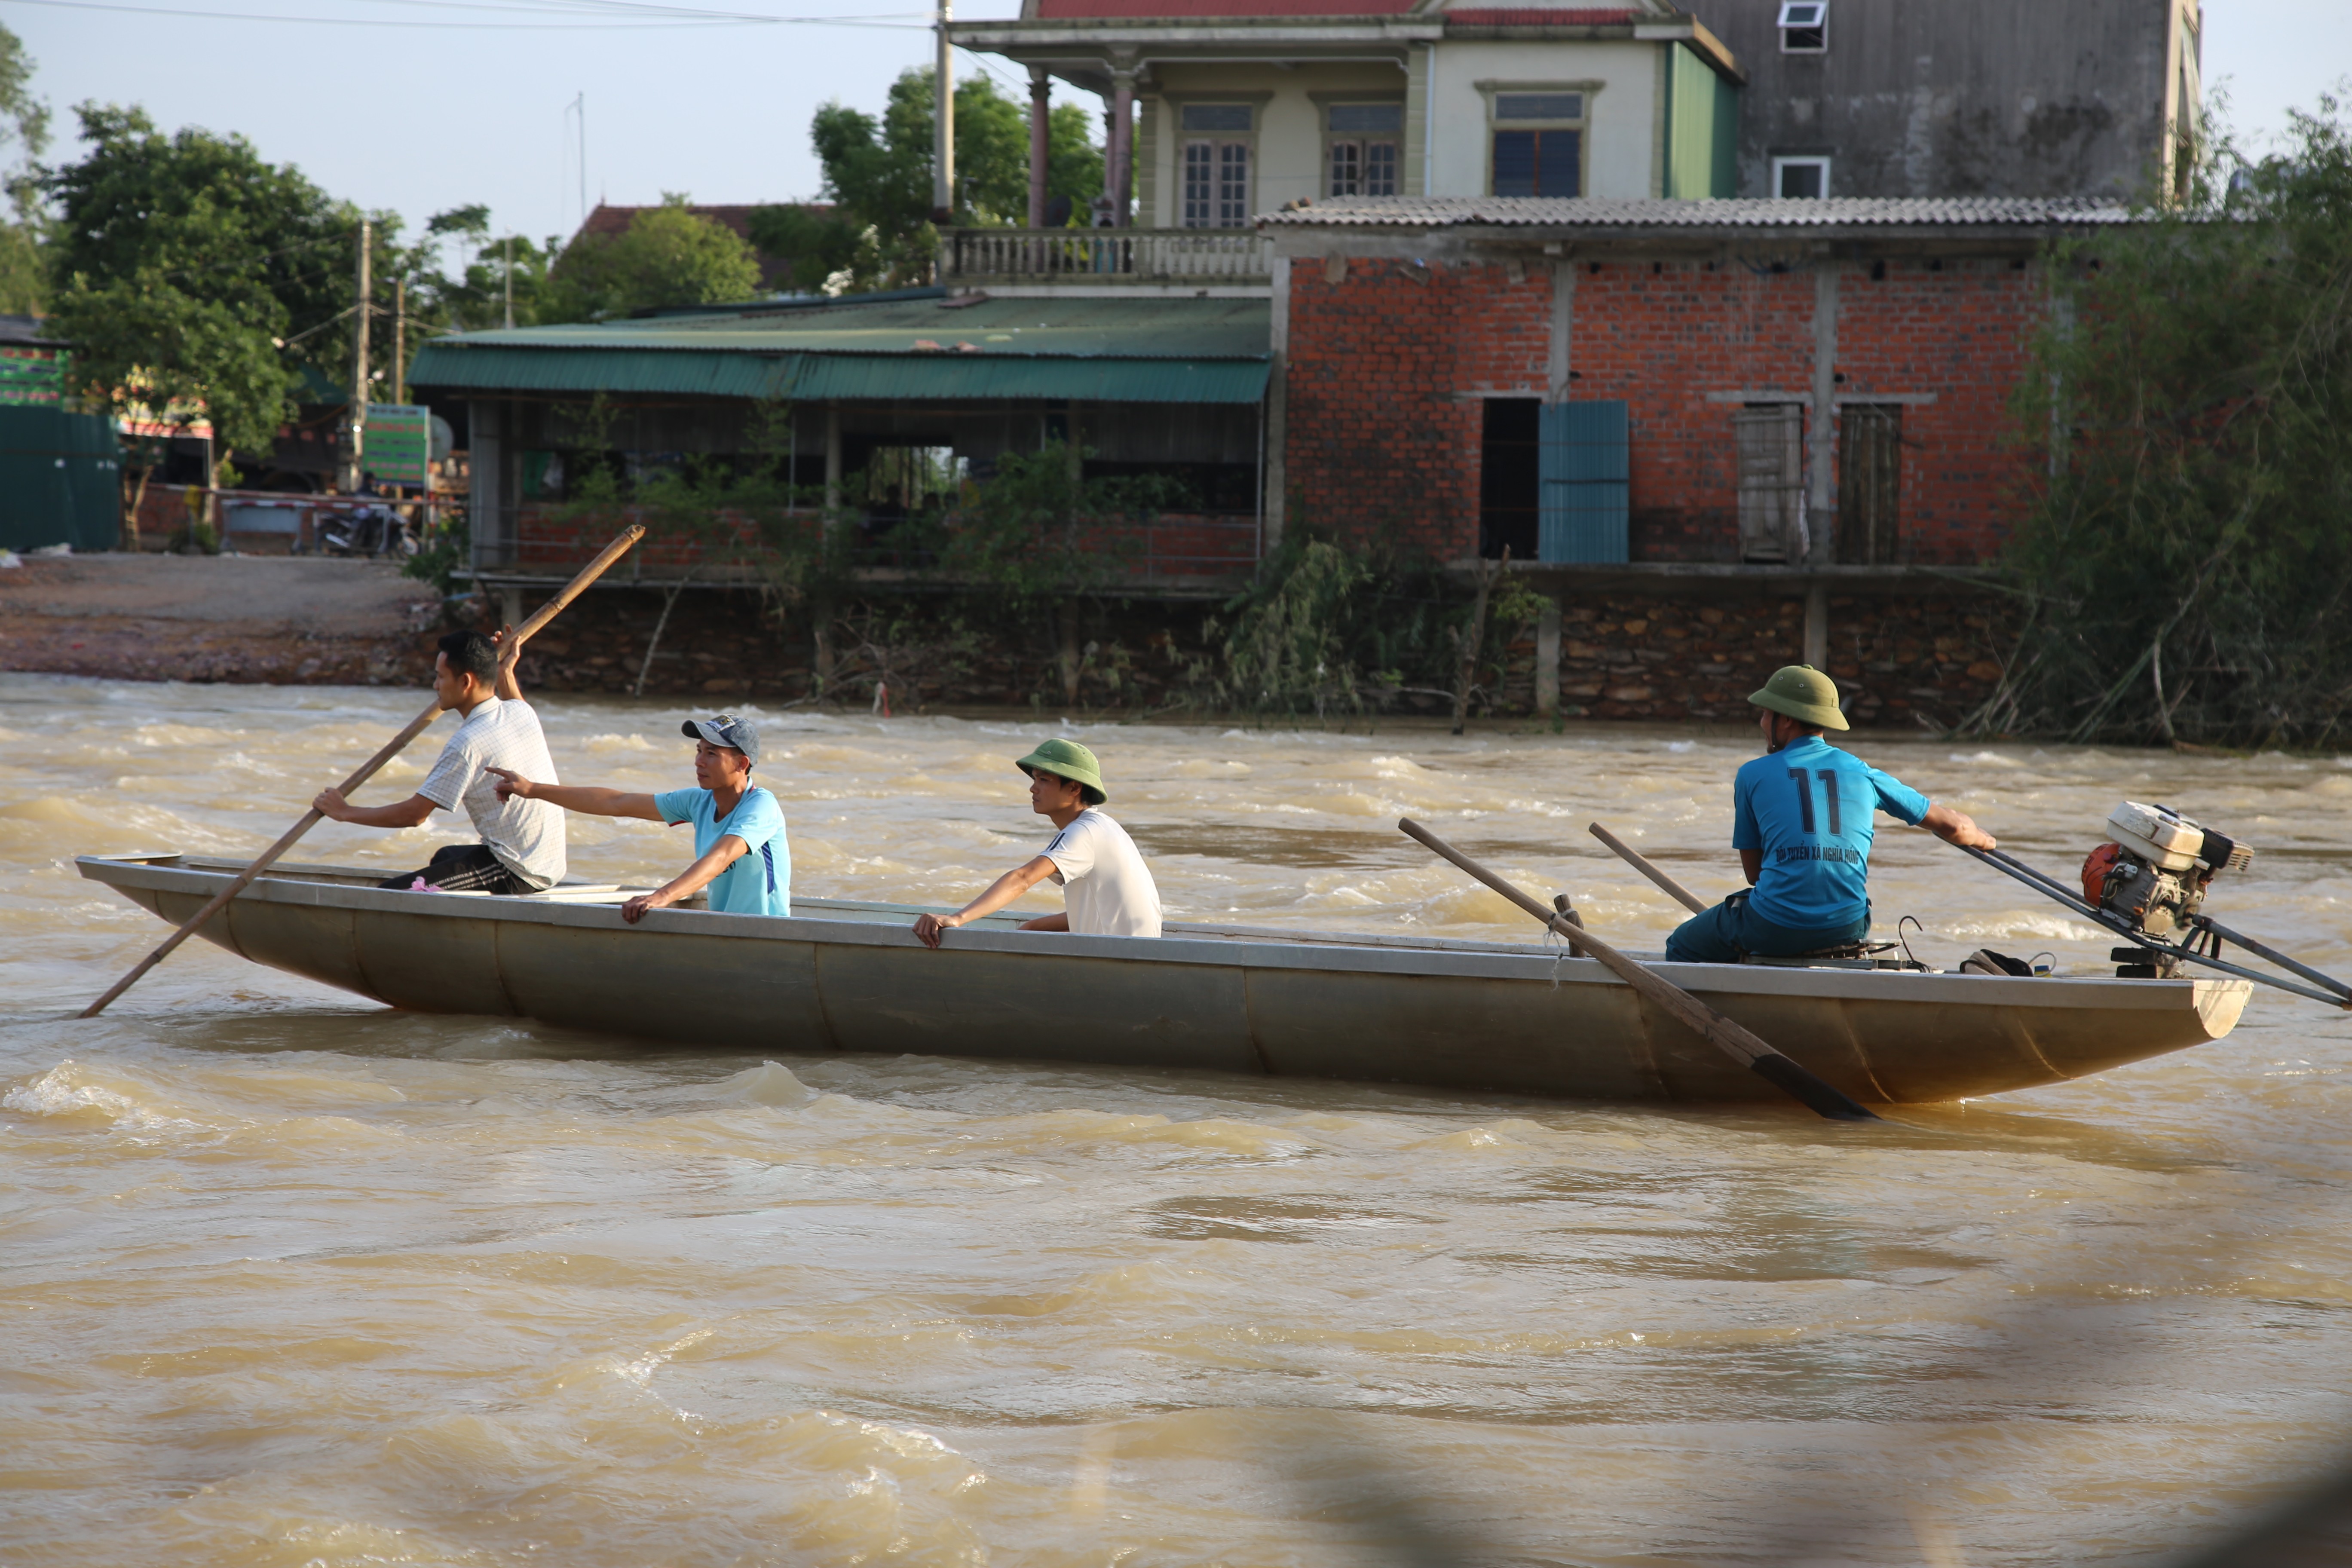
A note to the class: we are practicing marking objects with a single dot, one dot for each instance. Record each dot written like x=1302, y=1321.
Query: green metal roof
x=1096, y=350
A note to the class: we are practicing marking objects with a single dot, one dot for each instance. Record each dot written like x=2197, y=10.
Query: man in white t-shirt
x=521, y=846
x=1106, y=889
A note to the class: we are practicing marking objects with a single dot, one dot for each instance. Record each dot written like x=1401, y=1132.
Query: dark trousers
x=460, y=868
x=1731, y=928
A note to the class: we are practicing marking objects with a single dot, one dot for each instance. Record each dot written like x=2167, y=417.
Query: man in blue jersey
x=739, y=851
x=1802, y=817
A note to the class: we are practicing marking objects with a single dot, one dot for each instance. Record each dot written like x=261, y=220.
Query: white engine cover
x=2165, y=840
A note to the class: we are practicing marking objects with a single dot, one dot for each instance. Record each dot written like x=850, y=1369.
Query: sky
x=441, y=103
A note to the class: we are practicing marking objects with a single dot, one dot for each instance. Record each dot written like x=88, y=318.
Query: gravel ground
x=225, y=617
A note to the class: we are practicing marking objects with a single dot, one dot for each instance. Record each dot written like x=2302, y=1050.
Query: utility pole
x=510, y=270
x=354, y=466
x=400, y=340
x=943, y=151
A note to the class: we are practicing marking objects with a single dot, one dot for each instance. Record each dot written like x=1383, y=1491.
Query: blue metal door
x=1585, y=470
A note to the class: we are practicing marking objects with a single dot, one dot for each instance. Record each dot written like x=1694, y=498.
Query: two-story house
x=1221, y=110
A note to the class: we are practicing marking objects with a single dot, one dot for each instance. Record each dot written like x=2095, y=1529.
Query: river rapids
x=291, y=1279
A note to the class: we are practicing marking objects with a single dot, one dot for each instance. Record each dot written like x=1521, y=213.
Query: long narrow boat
x=845, y=976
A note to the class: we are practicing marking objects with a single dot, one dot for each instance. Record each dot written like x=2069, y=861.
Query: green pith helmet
x=1804, y=693
x=1067, y=760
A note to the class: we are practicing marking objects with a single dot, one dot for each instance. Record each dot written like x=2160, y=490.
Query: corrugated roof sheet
x=1095, y=349
x=1597, y=211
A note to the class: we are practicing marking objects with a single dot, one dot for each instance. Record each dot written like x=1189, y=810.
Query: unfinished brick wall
x=1389, y=365
x=1958, y=334
x=1383, y=425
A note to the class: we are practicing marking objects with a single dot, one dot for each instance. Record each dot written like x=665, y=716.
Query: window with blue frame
x=1538, y=144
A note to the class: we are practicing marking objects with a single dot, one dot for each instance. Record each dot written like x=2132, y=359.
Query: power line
x=689, y=19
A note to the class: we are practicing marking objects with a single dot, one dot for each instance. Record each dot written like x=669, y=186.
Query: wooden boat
x=844, y=976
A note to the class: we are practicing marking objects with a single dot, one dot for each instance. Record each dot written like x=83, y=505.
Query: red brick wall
x=1662, y=339
x=1960, y=334
x=1381, y=440
x=1384, y=422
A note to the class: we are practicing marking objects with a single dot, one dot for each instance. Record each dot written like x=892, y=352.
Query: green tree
x=23, y=267
x=669, y=257
x=180, y=264
x=877, y=175
x=2185, y=566
x=473, y=297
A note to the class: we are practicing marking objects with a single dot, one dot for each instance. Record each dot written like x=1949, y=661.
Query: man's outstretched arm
x=1003, y=891
x=1957, y=828
x=591, y=800
x=688, y=883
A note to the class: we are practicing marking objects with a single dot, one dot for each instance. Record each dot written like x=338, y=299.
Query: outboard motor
x=2153, y=877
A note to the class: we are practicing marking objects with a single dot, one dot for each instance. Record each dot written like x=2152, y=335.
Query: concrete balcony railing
x=1200, y=256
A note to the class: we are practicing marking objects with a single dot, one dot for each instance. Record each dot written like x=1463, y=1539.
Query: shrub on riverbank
x=2186, y=562
x=1033, y=558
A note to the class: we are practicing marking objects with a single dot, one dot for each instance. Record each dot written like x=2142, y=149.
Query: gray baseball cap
x=725, y=730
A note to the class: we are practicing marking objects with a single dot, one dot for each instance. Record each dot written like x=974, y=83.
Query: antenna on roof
x=579, y=106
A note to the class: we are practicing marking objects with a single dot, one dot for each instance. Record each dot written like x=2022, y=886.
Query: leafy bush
x=450, y=548
x=1326, y=630
x=2186, y=565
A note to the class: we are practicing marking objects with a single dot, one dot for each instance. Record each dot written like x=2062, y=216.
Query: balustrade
x=1109, y=255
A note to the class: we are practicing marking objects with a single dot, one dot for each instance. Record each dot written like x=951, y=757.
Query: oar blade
x=1816, y=1094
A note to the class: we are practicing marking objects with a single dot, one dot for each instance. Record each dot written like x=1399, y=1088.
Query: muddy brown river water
x=290, y=1278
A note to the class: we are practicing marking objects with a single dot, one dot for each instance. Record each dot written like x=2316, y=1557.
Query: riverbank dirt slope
x=280, y=619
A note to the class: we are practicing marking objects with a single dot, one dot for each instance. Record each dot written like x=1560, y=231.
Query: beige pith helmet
x=1067, y=760
x=1804, y=693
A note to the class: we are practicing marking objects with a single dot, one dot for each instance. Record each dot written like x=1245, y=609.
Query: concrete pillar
x=832, y=461
x=1277, y=412
x=1041, y=109
x=1121, y=172
x=1817, y=624
x=1563, y=315
x=820, y=605
x=1821, y=432
x=510, y=605
x=1548, y=661
x=483, y=496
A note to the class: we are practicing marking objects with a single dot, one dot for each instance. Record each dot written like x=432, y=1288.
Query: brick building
x=1686, y=418
x=1606, y=383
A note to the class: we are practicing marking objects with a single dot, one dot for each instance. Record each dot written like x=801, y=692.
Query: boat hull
x=845, y=977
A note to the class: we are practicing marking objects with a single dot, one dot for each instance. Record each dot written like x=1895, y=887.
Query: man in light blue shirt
x=739, y=849
x=1803, y=816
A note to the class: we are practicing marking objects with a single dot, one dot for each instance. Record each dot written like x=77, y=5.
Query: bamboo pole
x=1641, y=862
x=1731, y=1038
x=416, y=727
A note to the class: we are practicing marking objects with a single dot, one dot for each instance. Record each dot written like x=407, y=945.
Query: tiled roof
x=1595, y=212
x=1537, y=16
x=1164, y=10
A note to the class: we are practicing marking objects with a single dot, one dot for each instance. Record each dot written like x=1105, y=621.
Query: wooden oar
x=1637, y=859
x=1725, y=1035
x=546, y=612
